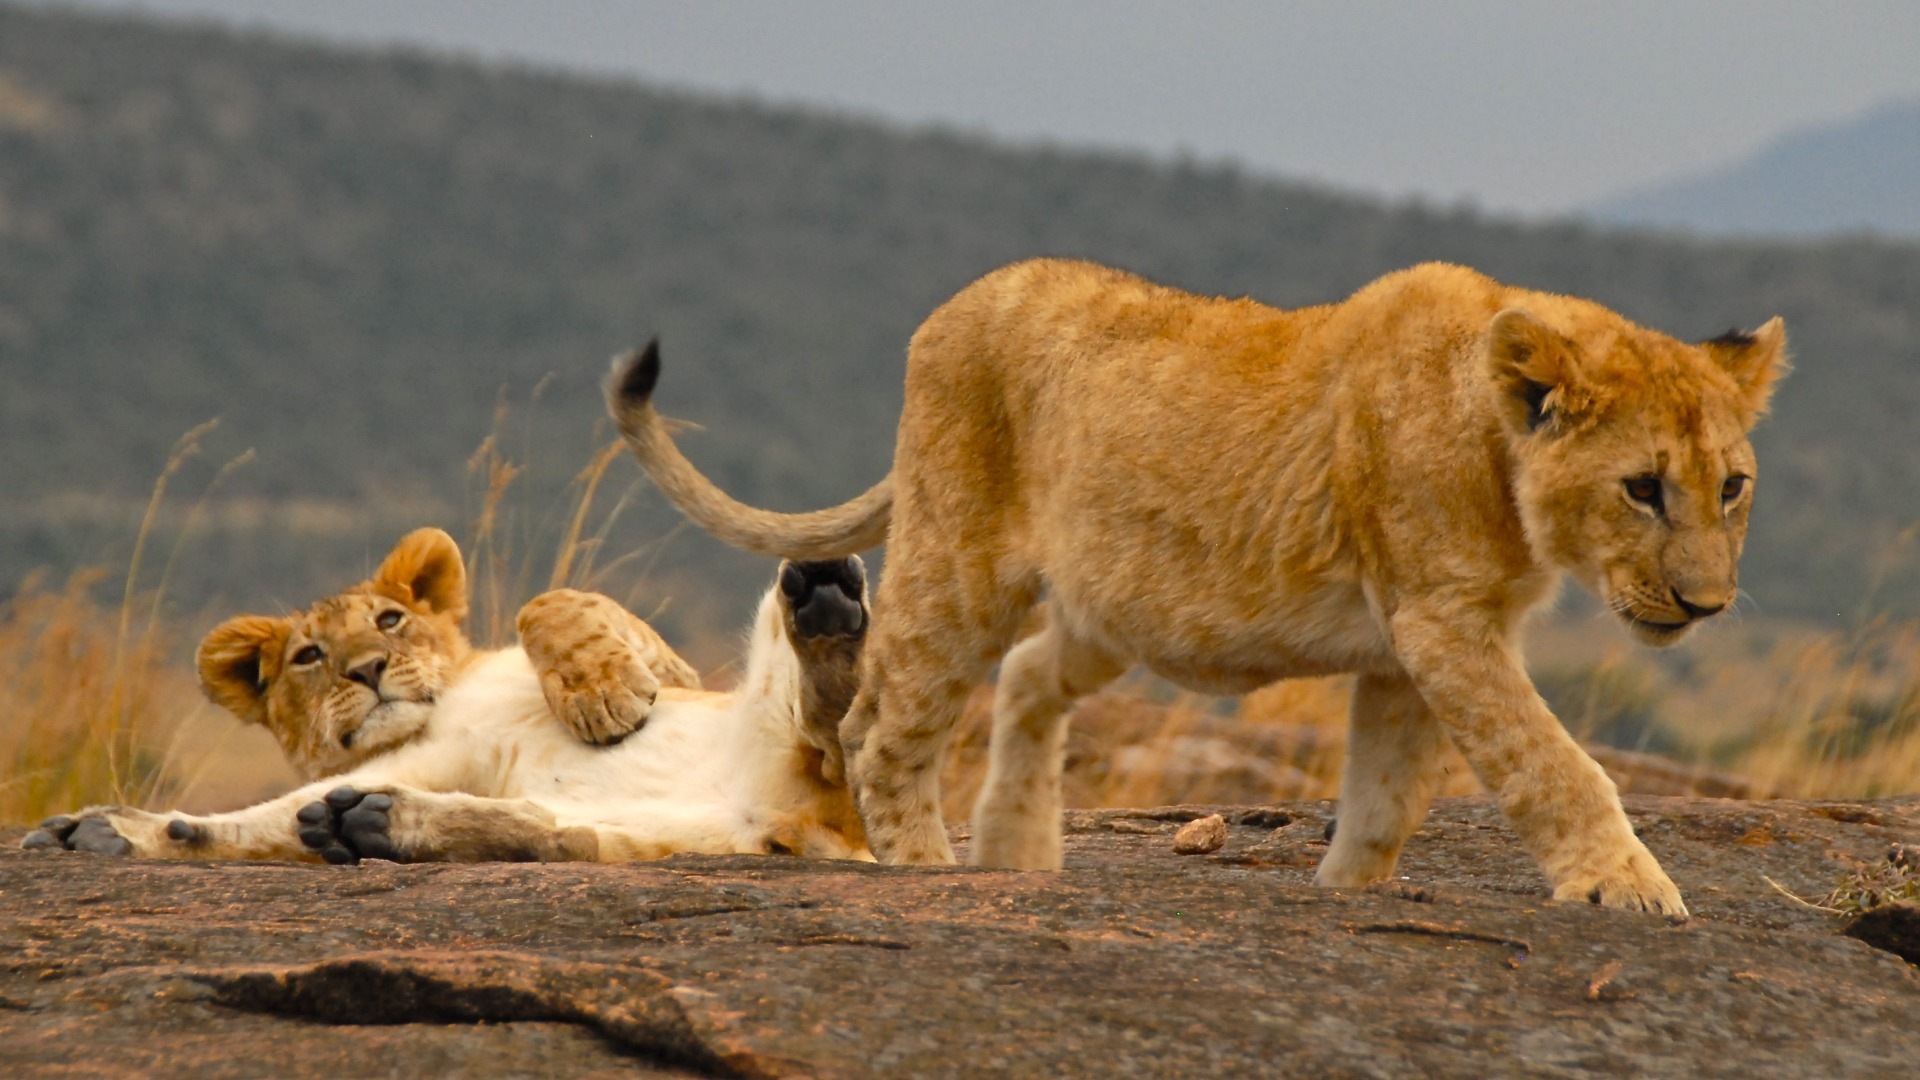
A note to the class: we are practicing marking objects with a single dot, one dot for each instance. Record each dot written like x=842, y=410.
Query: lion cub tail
x=853, y=526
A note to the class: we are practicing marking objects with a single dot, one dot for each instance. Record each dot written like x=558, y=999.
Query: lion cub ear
x=237, y=659
x=1756, y=361
x=1534, y=367
x=425, y=571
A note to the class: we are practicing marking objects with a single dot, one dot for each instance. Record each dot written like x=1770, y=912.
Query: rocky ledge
x=1135, y=961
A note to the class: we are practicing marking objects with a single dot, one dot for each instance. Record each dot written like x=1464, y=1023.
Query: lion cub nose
x=1713, y=606
x=367, y=672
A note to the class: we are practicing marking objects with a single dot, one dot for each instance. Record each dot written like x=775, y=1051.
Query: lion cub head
x=355, y=674
x=1635, y=473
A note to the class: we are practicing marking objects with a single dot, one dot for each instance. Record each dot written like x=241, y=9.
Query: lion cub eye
x=1645, y=490
x=1731, y=490
x=388, y=619
x=312, y=654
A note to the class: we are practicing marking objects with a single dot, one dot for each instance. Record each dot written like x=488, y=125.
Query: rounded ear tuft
x=425, y=570
x=1530, y=362
x=1756, y=361
x=236, y=661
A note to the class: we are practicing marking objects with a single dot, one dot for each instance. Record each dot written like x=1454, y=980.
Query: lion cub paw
x=606, y=700
x=349, y=825
x=90, y=831
x=827, y=599
x=1637, y=885
x=106, y=830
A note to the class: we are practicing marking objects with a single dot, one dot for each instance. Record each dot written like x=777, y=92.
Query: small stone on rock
x=1201, y=836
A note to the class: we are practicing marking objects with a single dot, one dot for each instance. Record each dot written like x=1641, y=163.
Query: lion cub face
x=1636, y=474
x=355, y=674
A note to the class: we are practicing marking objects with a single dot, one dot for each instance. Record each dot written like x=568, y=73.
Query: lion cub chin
x=590, y=740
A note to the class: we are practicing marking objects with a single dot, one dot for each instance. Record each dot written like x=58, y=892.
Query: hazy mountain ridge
x=353, y=256
x=1858, y=175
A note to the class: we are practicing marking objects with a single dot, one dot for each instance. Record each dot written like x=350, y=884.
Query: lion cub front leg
x=1565, y=808
x=404, y=824
x=262, y=831
x=600, y=665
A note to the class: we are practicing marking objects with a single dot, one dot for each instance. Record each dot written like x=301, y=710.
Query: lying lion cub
x=438, y=752
x=1229, y=494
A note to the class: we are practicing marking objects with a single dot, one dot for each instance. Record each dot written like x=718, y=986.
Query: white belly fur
x=699, y=758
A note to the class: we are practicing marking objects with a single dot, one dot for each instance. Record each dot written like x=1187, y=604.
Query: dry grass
x=101, y=707
x=1286, y=741
x=101, y=704
x=91, y=712
x=1771, y=711
x=1838, y=715
x=1893, y=880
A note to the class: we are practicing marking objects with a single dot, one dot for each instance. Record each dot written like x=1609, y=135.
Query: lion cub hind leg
x=408, y=825
x=945, y=624
x=600, y=665
x=1016, y=822
x=1394, y=752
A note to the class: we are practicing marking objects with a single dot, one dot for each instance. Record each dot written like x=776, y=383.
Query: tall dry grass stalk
x=503, y=546
x=92, y=713
x=93, y=703
x=95, y=699
x=1839, y=716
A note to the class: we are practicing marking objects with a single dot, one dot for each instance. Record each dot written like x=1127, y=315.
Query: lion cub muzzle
x=367, y=671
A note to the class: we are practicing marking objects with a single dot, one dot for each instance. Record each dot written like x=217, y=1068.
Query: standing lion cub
x=1231, y=494
x=591, y=740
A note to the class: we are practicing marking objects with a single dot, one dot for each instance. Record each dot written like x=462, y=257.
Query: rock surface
x=1133, y=962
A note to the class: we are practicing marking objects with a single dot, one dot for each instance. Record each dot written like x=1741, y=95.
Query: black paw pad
x=52, y=834
x=348, y=825
x=186, y=832
x=826, y=596
x=98, y=836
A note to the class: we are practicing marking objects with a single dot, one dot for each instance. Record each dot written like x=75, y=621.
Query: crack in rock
x=1458, y=933
x=1894, y=927
x=633, y=1007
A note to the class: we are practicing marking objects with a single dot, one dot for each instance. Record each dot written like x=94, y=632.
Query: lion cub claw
x=1639, y=885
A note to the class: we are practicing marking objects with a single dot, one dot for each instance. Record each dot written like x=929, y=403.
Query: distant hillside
x=354, y=258
x=1862, y=175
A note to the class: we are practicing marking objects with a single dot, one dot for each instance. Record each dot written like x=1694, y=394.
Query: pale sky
x=1515, y=106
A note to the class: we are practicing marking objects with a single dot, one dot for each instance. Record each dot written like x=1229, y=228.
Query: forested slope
x=354, y=258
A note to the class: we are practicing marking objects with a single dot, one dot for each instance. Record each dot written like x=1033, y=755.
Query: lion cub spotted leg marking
x=1016, y=821
x=1394, y=752
x=601, y=666
x=950, y=620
